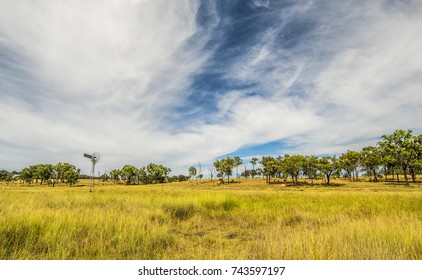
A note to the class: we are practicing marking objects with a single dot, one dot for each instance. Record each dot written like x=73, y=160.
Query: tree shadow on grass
x=307, y=184
x=403, y=184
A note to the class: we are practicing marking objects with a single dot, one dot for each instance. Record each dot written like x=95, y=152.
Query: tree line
x=43, y=173
x=150, y=174
x=399, y=153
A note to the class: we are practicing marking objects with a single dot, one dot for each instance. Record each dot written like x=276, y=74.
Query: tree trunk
x=405, y=174
x=386, y=174
x=412, y=173
x=375, y=175
x=328, y=179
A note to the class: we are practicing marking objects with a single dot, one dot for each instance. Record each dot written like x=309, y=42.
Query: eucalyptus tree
x=328, y=166
x=129, y=173
x=371, y=160
x=224, y=167
x=293, y=165
x=212, y=172
x=310, y=167
x=43, y=172
x=157, y=173
x=271, y=167
x=403, y=147
x=253, y=161
x=71, y=175
x=63, y=172
x=246, y=173
x=192, y=172
x=27, y=174
x=142, y=175
x=237, y=162
x=115, y=175
x=6, y=176
x=349, y=162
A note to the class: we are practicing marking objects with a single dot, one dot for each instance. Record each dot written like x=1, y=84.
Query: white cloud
x=88, y=76
x=102, y=73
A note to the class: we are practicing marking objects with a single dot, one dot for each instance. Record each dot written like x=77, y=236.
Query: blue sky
x=185, y=81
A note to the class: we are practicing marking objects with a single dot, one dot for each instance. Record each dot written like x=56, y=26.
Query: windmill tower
x=95, y=157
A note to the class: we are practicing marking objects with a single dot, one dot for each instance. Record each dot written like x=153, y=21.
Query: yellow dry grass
x=204, y=220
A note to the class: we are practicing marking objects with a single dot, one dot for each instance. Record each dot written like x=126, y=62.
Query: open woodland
x=203, y=219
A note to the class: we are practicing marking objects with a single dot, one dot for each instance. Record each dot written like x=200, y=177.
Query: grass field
x=204, y=220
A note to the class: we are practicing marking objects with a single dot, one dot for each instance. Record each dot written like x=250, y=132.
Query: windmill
x=95, y=157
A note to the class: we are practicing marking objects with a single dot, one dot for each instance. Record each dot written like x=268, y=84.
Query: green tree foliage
x=6, y=176
x=27, y=174
x=129, y=174
x=157, y=173
x=397, y=153
x=328, y=166
x=349, y=162
x=310, y=167
x=48, y=173
x=404, y=148
x=253, y=161
x=246, y=173
x=192, y=172
x=237, y=162
x=71, y=175
x=178, y=178
x=143, y=175
x=182, y=178
x=271, y=167
x=293, y=165
x=115, y=175
x=371, y=160
x=224, y=167
x=61, y=169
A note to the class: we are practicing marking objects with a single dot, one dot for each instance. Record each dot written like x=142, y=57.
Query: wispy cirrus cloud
x=186, y=81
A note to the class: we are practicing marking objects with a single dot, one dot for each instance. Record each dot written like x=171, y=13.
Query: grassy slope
x=202, y=220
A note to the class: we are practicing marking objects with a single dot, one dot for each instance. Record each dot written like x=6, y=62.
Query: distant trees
x=150, y=174
x=405, y=149
x=6, y=176
x=397, y=154
x=157, y=173
x=254, y=161
x=129, y=174
x=237, y=162
x=224, y=167
x=68, y=173
x=115, y=175
x=192, y=172
x=349, y=162
x=328, y=166
x=310, y=167
x=271, y=167
x=371, y=160
x=293, y=165
x=51, y=174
